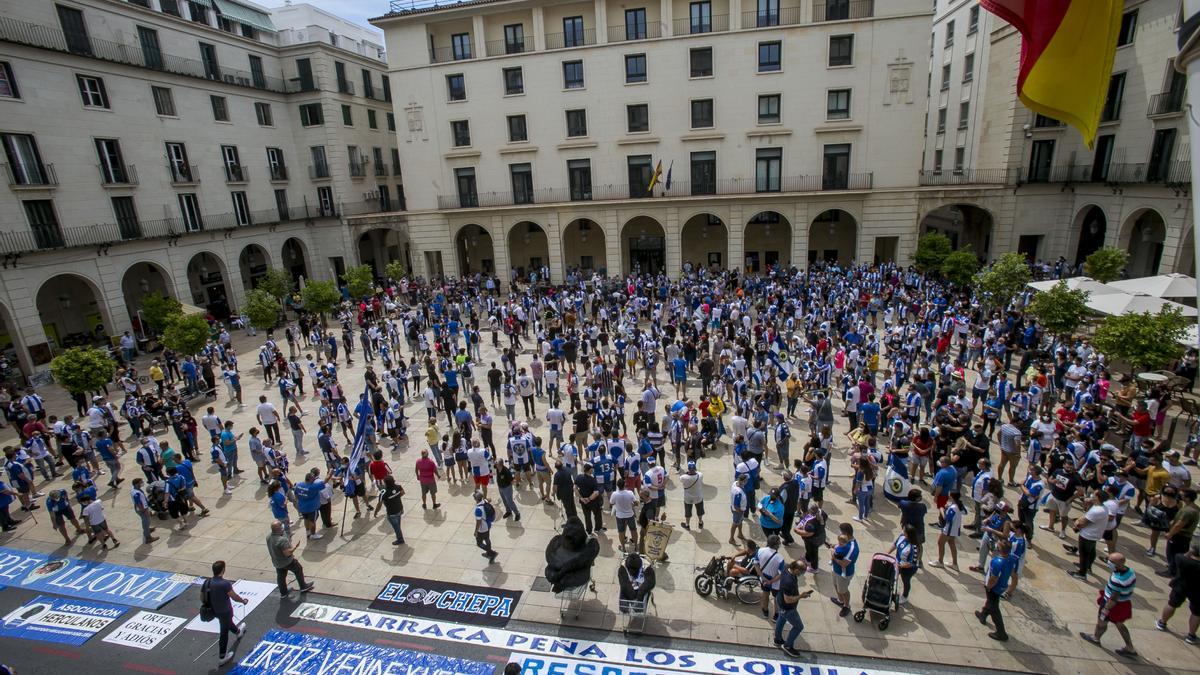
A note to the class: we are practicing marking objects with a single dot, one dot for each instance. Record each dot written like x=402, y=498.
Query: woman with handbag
x=1159, y=514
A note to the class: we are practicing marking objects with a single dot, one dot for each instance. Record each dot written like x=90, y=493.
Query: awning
x=244, y=14
x=189, y=310
x=1161, y=286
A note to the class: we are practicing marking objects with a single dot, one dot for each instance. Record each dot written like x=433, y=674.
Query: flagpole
x=1192, y=8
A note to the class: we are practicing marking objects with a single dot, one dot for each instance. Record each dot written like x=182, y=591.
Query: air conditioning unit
x=244, y=81
x=370, y=196
x=230, y=79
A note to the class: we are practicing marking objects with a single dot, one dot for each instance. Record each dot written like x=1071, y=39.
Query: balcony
x=318, y=171
x=969, y=177
x=447, y=54
x=117, y=176
x=278, y=173
x=577, y=39
x=235, y=173
x=630, y=32
x=345, y=87
x=786, y=16
x=502, y=47
x=358, y=169
x=679, y=190
x=1166, y=103
x=51, y=38
x=183, y=174
x=842, y=10
x=711, y=24
x=1170, y=174
x=396, y=169
x=32, y=177
x=381, y=170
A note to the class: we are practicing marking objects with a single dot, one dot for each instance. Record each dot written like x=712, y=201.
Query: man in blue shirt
x=188, y=471
x=104, y=446
x=845, y=554
x=943, y=482
x=999, y=572
x=869, y=414
x=277, y=499
x=308, y=500
x=679, y=374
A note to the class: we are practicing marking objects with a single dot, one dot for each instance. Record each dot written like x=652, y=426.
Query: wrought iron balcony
x=31, y=175
x=582, y=38
x=278, y=172
x=501, y=47
x=842, y=10
x=318, y=171
x=447, y=54
x=784, y=16
x=345, y=87
x=121, y=174
x=710, y=24
x=630, y=32
x=235, y=173
x=381, y=169
x=358, y=169
x=1170, y=174
x=1166, y=103
x=183, y=174
x=969, y=177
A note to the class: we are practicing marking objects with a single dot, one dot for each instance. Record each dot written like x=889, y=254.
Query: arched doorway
x=965, y=225
x=1091, y=228
x=1146, y=234
x=704, y=242
x=12, y=349
x=833, y=237
x=71, y=313
x=528, y=250
x=253, y=263
x=767, y=242
x=644, y=243
x=584, y=247
x=206, y=279
x=295, y=259
x=380, y=246
x=140, y=280
x=476, y=253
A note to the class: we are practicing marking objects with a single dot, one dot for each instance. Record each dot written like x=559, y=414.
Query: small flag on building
x=654, y=178
x=669, y=169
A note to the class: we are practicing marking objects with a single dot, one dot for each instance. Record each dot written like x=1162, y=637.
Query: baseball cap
x=691, y=465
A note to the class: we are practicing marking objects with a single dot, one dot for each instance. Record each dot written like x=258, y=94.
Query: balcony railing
x=345, y=87
x=316, y=171
x=183, y=174
x=396, y=170
x=381, y=169
x=718, y=23
x=358, y=169
x=784, y=16
x=563, y=40
x=841, y=10
x=1166, y=103
x=278, y=172
x=679, y=189
x=1171, y=174
x=118, y=175
x=969, y=177
x=39, y=176
x=48, y=37
x=447, y=54
x=501, y=47
x=235, y=173
x=626, y=33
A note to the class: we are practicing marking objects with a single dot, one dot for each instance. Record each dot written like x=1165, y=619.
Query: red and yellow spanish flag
x=1067, y=51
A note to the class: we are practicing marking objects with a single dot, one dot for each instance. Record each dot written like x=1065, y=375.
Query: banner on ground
x=296, y=654
x=145, y=630
x=677, y=660
x=446, y=601
x=90, y=580
x=253, y=591
x=61, y=620
x=532, y=664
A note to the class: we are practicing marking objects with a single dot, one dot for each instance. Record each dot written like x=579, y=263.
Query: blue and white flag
x=782, y=359
x=358, y=450
x=895, y=479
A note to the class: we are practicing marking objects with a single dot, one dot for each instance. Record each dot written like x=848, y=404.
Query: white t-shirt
x=267, y=413
x=623, y=502
x=1097, y=522
x=693, y=487
x=769, y=562
x=556, y=417
x=94, y=512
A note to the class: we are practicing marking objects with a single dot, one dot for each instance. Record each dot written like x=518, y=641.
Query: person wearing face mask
x=1090, y=527
x=1115, y=605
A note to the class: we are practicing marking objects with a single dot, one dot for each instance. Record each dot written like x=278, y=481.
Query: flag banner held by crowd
x=447, y=601
x=89, y=579
x=358, y=451
x=145, y=630
x=679, y=660
x=781, y=358
x=295, y=654
x=62, y=620
x=895, y=479
x=253, y=591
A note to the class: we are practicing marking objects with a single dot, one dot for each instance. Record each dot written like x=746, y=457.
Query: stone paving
x=936, y=627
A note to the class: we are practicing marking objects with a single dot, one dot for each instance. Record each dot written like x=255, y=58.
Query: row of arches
x=1143, y=235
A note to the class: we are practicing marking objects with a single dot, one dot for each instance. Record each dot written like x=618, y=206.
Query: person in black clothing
x=787, y=597
x=591, y=498
x=641, y=419
x=570, y=556
x=912, y=514
x=220, y=597
x=580, y=420
x=790, y=492
x=390, y=499
x=494, y=377
x=564, y=489
x=635, y=579
x=812, y=531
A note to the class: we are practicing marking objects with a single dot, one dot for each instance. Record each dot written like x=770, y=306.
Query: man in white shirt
x=93, y=510
x=556, y=418
x=693, y=495
x=268, y=416
x=624, y=503
x=737, y=507
x=1090, y=527
x=769, y=562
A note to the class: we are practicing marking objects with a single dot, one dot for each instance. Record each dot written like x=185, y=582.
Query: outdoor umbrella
x=1076, y=283
x=1117, y=304
x=1161, y=286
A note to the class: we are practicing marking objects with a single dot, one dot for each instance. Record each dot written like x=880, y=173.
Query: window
x=700, y=14
x=387, y=88
x=579, y=177
x=950, y=33
x=169, y=7
x=395, y=162
x=517, y=131
x=198, y=12
x=701, y=61
x=456, y=87
x=576, y=123
x=385, y=198
x=311, y=115
x=275, y=164
x=320, y=165
x=91, y=89
x=127, y=220
x=973, y=20
x=635, y=24
x=305, y=74
x=177, y=162
x=189, y=211
x=1128, y=28
x=768, y=163
x=208, y=55
x=234, y=172
x=836, y=167
x=937, y=161
x=151, y=52
x=74, y=30
x=8, y=82
x=347, y=116
x=1102, y=158
x=1161, y=151
x=241, y=207
x=1041, y=157
x=465, y=180
x=946, y=77
x=960, y=158
x=377, y=157
x=249, y=31
x=837, y=105
x=768, y=13
x=1116, y=94
x=43, y=223
x=514, y=81
x=368, y=84
x=768, y=109
x=573, y=31
x=768, y=57
x=325, y=201
x=372, y=121
x=941, y=120
x=964, y=114
x=635, y=68
x=460, y=131
x=164, y=102
x=461, y=46
x=638, y=117
x=112, y=166
x=572, y=74
x=220, y=108
x=262, y=111
x=841, y=50
x=391, y=122
x=522, y=183
x=514, y=38
x=968, y=68
x=702, y=113
x=343, y=84
x=281, y=205
x=640, y=169
x=704, y=173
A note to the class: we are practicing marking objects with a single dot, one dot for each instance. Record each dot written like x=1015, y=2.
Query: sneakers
x=936, y=563
x=981, y=617
x=315, y=536
x=998, y=637
x=1158, y=623
x=1191, y=639
x=790, y=651
x=1076, y=575
x=307, y=587
x=225, y=659
x=1062, y=534
x=228, y=490
x=1150, y=552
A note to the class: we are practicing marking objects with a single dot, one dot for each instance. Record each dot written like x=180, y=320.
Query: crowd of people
x=608, y=397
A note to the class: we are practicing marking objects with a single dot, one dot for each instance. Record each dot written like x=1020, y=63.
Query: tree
x=1105, y=264
x=277, y=282
x=158, y=310
x=320, y=296
x=395, y=270
x=262, y=308
x=1060, y=310
x=186, y=335
x=83, y=369
x=360, y=280
x=932, y=249
x=960, y=267
x=1145, y=341
x=1005, y=279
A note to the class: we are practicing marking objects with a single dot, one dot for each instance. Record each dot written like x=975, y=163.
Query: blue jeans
x=394, y=521
x=786, y=616
x=864, y=503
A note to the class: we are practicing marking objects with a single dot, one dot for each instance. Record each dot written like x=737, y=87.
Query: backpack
x=206, y=608
x=489, y=512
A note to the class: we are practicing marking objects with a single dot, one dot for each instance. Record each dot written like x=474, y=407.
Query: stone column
x=737, y=237
x=671, y=233
x=539, y=29
x=500, y=247
x=480, y=39
x=612, y=243
x=601, y=22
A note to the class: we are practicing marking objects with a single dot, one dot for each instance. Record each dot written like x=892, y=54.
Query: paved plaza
x=936, y=627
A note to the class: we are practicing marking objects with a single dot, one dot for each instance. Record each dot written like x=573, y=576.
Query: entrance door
x=1028, y=245
x=647, y=255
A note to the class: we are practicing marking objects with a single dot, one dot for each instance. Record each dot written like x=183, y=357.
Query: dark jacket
x=570, y=556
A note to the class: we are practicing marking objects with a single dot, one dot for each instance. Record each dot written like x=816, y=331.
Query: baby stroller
x=880, y=595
